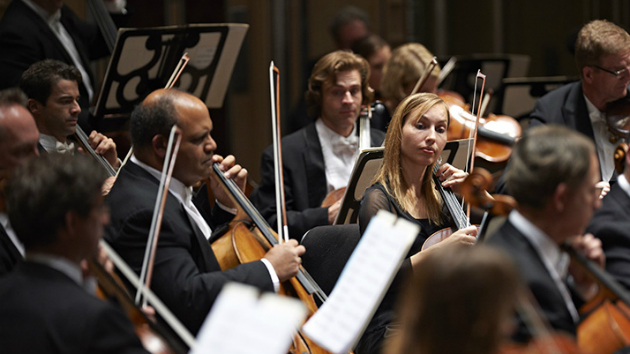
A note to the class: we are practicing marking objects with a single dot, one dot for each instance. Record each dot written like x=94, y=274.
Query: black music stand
x=144, y=59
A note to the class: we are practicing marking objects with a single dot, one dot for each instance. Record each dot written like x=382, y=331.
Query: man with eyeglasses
x=602, y=54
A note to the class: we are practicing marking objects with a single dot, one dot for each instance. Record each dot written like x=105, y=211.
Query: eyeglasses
x=618, y=74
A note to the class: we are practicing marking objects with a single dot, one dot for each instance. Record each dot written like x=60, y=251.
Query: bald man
x=18, y=143
x=187, y=275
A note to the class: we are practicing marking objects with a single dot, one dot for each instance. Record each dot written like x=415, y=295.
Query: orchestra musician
x=377, y=52
x=34, y=30
x=552, y=175
x=403, y=70
x=602, y=55
x=319, y=158
x=187, y=276
x=611, y=224
x=18, y=144
x=404, y=186
x=52, y=88
x=57, y=211
x=460, y=301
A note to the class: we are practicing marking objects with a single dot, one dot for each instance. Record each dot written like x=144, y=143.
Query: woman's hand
x=466, y=236
x=451, y=177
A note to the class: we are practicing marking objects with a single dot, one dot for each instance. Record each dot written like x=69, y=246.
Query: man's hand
x=591, y=247
x=285, y=259
x=230, y=170
x=333, y=210
x=105, y=147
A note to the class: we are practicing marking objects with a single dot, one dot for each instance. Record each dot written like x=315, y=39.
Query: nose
x=211, y=146
x=347, y=98
x=431, y=134
x=75, y=109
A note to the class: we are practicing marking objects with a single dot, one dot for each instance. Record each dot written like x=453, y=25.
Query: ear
x=70, y=227
x=159, y=144
x=34, y=106
x=560, y=197
x=587, y=74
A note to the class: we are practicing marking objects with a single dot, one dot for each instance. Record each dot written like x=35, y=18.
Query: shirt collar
x=593, y=113
x=45, y=15
x=49, y=142
x=545, y=246
x=330, y=135
x=624, y=184
x=65, y=266
x=177, y=188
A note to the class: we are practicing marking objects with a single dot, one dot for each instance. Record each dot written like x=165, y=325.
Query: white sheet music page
x=243, y=322
x=339, y=323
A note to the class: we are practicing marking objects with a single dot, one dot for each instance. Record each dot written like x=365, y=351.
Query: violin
x=618, y=119
x=620, y=157
x=497, y=133
x=248, y=238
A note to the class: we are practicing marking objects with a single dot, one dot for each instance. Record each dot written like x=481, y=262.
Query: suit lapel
x=208, y=260
x=315, y=168
x=6, y=243
x=576, y=107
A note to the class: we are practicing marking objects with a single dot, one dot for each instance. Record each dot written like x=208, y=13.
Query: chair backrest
x=327, y=251
x=496, y=67
x=520, y=93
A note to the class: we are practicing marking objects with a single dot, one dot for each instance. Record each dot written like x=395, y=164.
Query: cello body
x=248, y=239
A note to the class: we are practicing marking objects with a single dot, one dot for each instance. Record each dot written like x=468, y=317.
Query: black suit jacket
x=44, y=311
x=9, y=254
x=537, y=278
x=563, y=106
x=611, y=224
x=186, y=275
x=304, y=181
x=25, y=39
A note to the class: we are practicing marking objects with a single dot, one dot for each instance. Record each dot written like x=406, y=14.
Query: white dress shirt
x=66, y=267
x=605, y=149
x=624, y=184
x=52, y=145
x=555, y=260
x=340, y=154
x=184, y=195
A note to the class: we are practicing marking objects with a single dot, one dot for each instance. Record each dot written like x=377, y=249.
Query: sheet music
x=242, y=322
x=339, y=323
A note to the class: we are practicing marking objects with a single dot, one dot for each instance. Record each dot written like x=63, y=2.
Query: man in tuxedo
x=34, y=30
x=319, y=158
x=57, y=210
x=18, y=144
x=553, y=176
x=602, y=54
x=611, y=224
x=52, y=88
x=186, y=275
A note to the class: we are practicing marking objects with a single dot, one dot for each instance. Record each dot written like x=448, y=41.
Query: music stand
x=144, y=59
x=370, y=161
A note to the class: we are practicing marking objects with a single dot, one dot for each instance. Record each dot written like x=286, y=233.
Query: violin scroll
x=474, y=188
x=620, y=157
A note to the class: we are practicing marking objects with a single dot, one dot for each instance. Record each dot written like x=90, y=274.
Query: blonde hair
x=457, y=303
x=405, y=67
x=598, y=38
x=390, y=176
